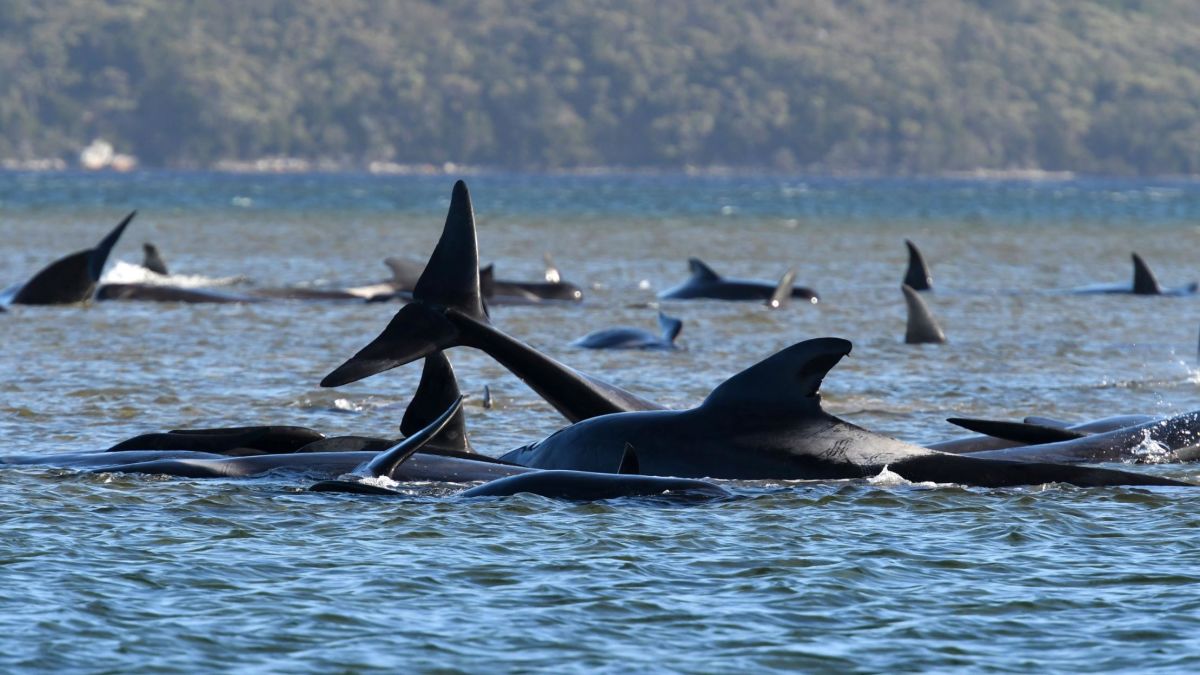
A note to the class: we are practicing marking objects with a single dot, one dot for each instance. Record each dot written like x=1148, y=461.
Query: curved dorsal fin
x=451, y=277
x=487, y=280
x=783, y=290
x=917, y=276
x=1144, y=282
x=787, y=382
x=438, y=389
x=629, y=461
x=386, y=462
x=670, y=327
x=922, y=328
x=700, y=271
x=152, y=259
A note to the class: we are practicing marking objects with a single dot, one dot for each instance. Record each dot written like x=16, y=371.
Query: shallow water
x=107, y=573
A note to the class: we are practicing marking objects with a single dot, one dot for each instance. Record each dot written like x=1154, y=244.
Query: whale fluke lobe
x=1020, y=432
x=783, y=292
x=922, y=328
x=416, y=331
x=73, y=278
x=437, y=390
x=385, y=463
x=917, y=276
x=451, y=277
x=1144, y=281
x=152, y=259
x=670, y=327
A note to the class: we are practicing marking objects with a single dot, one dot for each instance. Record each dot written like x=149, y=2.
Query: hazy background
x=902, y=87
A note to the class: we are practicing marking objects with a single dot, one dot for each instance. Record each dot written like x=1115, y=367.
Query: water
x=110, y=573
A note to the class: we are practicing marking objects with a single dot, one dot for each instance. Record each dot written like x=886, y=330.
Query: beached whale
x=625, y=337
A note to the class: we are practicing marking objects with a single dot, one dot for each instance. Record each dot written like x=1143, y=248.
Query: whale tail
x=450, y=282
x=917, y=276
x=1144, y=281
x=385, y=463
x=670, y=327
x=437, y=391
x=922, y=328
x=152, y=259
x=783, y=290
x=73, y=278
x=788, y=382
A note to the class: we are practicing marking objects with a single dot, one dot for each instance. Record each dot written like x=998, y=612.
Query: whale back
x=1144, y=281
x=922, y=328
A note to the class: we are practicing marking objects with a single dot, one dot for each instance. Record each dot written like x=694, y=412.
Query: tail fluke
x=73, y=278
x=917, y=276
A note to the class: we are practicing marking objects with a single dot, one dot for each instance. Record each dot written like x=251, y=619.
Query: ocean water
x=112, y=573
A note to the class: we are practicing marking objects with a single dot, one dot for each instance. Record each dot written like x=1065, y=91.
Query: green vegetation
x=904, y=86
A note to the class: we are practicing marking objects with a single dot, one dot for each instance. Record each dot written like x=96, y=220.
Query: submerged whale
x=767, y=423
x=1144, y=283
x=634, y=338
x=73, y=278
x=448, y=311
x=707, y=284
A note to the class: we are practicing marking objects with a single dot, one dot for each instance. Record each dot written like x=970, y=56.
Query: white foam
x=888, y=478
x=128, y=273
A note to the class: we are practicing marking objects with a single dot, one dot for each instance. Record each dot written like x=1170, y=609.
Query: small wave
x=888, y=478
x=128, y=273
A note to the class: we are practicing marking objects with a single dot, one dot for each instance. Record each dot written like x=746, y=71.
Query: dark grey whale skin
x=704, y=283
x=72, y=278
x=767, y=423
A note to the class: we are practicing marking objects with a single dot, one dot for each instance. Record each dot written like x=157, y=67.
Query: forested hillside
x=905, y=86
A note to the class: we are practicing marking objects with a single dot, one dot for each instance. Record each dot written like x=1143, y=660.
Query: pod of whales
x=634, y=338
x=72, y=278
x=705, y=283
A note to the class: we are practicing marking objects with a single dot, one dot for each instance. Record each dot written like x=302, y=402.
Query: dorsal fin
x=787, y=382
x=922, y=327
x=629, y=461
x=552, y=274
x=1020, y=432
x=405, y=272
x=1144, y=282
x=487, y=397
x=451, y=277
x=72, y=278
x=386, y=462
x=917, y=276
x=701, y=272
x=438, y=389
x=152, y=259
x=670, y=327
x=783, y=290
x=487, y=280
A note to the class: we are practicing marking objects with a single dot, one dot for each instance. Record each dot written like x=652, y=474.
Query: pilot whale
x=1144, y=283
x=767, y=423
x=634, y=338
x=73, y=278
x=707, y=284
x=495, y=291
x=448, y=311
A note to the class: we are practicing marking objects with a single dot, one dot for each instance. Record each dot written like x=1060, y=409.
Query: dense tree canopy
x=906, y=86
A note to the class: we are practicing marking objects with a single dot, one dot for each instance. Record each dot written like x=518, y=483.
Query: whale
x=73, y=278
x=921, y=327
x=447, y=310
x=1144, y=283
x=152, y=259
x=1032, y=430
x=165, y=293
x=917, y=276
x=625, y=337
x=767, y=422
x=704, y=283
